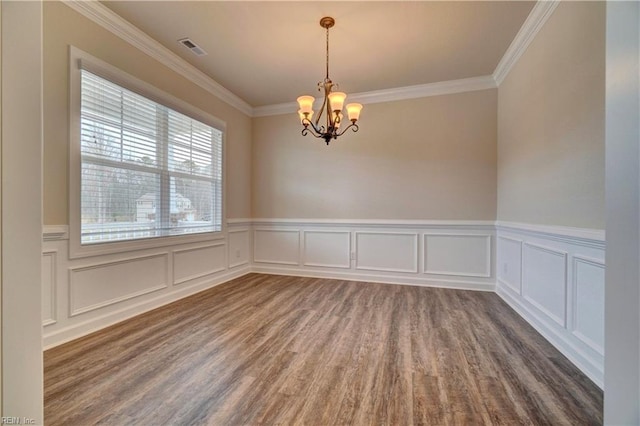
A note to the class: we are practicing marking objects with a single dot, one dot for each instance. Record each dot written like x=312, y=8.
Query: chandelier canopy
x=332, y=105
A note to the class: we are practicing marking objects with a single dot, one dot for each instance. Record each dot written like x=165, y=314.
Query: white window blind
x=146, y=170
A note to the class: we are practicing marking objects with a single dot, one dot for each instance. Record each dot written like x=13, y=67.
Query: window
x=146, y=169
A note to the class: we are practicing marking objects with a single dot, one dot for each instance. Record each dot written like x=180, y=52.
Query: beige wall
x=428, y=158
x=551, y=124
x=64, y=27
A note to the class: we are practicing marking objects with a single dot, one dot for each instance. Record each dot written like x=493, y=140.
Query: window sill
x=77, y=250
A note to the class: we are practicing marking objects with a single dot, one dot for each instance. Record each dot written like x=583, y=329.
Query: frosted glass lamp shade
x=336, y=99
x=306, y=103
x=354, y=111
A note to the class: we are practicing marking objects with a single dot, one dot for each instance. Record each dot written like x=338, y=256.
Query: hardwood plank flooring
x=271, y=350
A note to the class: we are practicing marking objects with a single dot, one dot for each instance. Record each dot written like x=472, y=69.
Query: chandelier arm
x=311, y=132
x=353, y=126
x=314, y=130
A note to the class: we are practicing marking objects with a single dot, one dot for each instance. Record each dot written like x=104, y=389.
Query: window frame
x=79, y=60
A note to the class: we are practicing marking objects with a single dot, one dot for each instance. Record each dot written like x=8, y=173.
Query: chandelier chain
x=327, y=53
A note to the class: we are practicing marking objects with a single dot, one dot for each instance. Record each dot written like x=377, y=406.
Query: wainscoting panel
x=278, y=246
x=384, y=251
x=192, y=263
x=49, y=286
x=387, y=251
x=239, y=247
x=102, y=284
x=509, y=263
x=327, y=249
x=544, y=280
x=562, y=287
x=588, y=311
x=458, y=255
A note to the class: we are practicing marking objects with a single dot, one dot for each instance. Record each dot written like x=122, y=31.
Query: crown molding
x=541, y=11
x=103, y=16
x=396, y=94
x=425, y=90
x=279, y=109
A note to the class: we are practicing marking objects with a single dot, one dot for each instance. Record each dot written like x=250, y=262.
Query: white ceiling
x=271, y=52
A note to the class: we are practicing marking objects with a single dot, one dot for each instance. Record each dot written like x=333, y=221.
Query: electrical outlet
x=238, y=254
x=505, y=268
x=353, y=255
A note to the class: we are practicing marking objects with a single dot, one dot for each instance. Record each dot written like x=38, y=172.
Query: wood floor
x=287, y=350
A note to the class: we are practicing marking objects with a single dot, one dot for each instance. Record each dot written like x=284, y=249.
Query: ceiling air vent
x=186, y=42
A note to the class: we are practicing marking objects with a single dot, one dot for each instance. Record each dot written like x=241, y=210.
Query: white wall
x=0, y=205
x=622, y=368
x=22, y=209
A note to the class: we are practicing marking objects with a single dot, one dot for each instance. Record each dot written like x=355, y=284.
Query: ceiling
x=272, y=52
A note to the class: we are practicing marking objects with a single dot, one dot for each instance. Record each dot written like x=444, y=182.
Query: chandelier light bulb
x=337, y=119
x=304, y=116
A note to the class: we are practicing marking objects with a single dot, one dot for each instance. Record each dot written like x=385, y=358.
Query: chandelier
x=331, y=107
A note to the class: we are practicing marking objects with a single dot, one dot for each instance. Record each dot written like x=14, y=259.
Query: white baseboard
x=375, y=278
